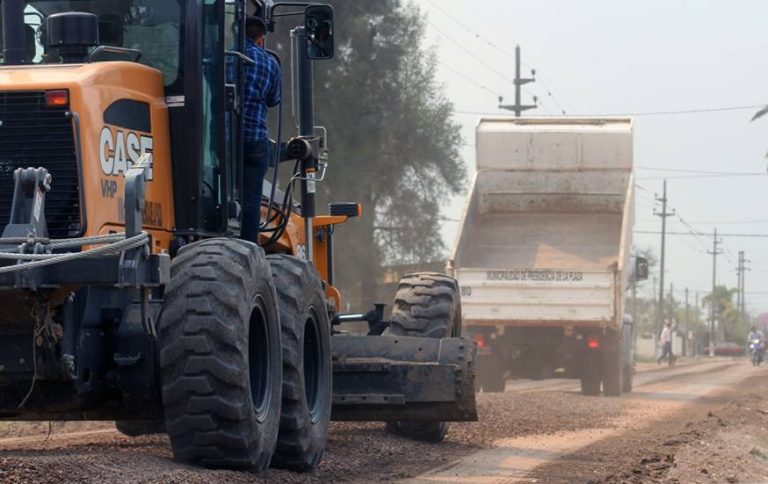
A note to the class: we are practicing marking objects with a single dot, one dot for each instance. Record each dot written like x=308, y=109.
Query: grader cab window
x=152, y=27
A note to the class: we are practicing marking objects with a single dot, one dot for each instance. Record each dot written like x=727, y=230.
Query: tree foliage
x=731, y=323
x=395, y=147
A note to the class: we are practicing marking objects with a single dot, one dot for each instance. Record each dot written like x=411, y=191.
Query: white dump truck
x=542, y=255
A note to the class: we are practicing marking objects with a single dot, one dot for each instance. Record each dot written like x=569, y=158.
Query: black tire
x=628, y=377
x=495, y=382
x=426, y=304
x=135, y=428
x=307, y=367
x=491, y=375
x=612, y=369
x=220, y=358
x=590, y=373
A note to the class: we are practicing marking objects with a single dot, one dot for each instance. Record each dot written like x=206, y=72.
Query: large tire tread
x=590, y=373
x=427, y=304
x=204, y=356
x=301, y=443
x=424, y=305
x=613, y=366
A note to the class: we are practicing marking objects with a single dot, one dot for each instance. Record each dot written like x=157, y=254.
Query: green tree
x=733, y=326
x=395, y=147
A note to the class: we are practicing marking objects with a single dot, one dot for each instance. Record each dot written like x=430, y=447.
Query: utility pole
x=698, y=314
x=518, y=108
x=739, y=269
x=715, y=252
x=743, y=301
x=670, y=311
x=663, y=214
x=687, y=324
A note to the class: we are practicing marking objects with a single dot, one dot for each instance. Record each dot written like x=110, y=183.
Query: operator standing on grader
x=262, y=90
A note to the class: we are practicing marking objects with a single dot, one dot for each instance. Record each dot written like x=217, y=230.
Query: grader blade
x=388, y=378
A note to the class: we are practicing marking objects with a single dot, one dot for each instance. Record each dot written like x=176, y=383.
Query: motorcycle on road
x=756, y=351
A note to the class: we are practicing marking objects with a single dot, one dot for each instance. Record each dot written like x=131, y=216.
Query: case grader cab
x=126, y=293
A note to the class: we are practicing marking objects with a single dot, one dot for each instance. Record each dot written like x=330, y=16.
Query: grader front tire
x=426, y=304
x=220, y=360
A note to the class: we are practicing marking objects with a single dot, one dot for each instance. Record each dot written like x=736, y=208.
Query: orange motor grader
x=125, y=292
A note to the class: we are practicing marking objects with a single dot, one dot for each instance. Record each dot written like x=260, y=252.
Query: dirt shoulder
x=720, y=438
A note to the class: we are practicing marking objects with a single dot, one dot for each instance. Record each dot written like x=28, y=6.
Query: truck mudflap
x=386, y=378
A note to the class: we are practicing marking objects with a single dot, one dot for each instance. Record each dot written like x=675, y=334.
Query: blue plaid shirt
x=262, y=90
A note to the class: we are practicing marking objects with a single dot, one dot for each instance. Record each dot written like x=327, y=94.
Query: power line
x=480, y=61
x=699, y=172
x=549, y=92
x=542, y=80
x=713, y=176
x=641, y=113
x=637, y=185
x=470, y=30
x=467, y=78
x=699, y=236
x=656, y=232
x=497, y=47
x=732, y=222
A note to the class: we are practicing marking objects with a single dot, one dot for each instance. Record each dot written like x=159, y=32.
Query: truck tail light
x=593, y=342
x=479, y=339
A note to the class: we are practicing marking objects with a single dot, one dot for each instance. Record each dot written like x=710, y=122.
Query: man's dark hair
x=255, y=27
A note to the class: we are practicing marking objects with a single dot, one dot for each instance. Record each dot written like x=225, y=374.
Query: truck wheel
x=135, y=428
x=612, y=366
x=495, y=382
x=491, y=375
x=590, y=373
x=220, y=358
x=627, y=379
x=307, y=370
x=426, y=304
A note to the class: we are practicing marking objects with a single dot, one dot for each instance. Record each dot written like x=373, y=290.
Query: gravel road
x=540, y=411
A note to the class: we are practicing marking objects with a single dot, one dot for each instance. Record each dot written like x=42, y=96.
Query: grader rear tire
x=426, y=304
x=220, y=358
x=307, y=367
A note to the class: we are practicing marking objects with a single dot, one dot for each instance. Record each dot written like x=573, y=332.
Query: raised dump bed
x=543, y=251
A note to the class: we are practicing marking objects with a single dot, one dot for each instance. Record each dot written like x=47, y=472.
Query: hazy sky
x=601, y=56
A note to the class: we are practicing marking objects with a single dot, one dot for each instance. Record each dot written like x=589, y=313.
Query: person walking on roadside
x=666, y=344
